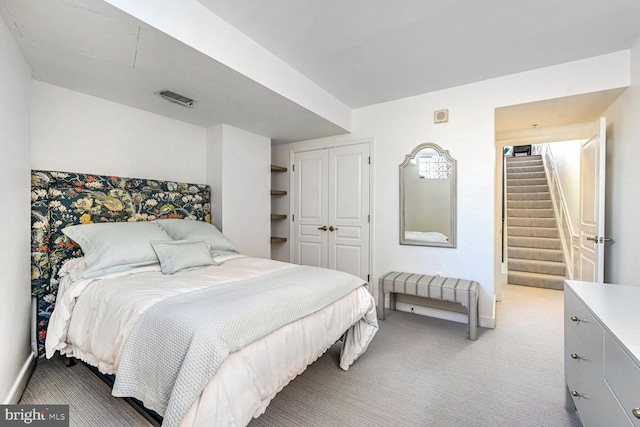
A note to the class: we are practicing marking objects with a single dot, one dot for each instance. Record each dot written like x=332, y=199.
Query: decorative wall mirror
x=428, y=197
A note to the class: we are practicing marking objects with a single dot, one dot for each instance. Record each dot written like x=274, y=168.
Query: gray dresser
x=602, y=352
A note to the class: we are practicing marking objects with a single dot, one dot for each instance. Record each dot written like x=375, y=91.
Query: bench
x=461, y=291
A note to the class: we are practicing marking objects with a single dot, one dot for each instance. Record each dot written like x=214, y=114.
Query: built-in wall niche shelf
x=276, y=168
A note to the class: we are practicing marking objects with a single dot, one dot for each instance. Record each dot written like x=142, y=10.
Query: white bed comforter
x=93, y=318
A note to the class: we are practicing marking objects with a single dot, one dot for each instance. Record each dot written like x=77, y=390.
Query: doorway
x=540, y=199
x=560, y=119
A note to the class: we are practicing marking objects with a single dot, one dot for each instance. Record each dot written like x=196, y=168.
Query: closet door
x=310, y=208
x=331, y=208
x=348, y=205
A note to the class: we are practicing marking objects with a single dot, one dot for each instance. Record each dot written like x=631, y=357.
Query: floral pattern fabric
x=61, y=199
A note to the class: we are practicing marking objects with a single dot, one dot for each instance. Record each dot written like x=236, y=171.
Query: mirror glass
x=428, y=197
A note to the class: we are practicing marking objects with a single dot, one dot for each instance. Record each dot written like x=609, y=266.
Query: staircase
x=534, y=251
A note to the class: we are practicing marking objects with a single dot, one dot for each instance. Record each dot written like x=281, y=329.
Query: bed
x=125, y=272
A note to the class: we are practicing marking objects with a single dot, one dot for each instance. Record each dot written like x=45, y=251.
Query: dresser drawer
x=595, y=402
x=623, y=376
x=578, y=318
x=571, y=375
x=577, y=357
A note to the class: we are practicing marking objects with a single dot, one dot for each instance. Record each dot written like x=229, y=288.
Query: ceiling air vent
x=176, y=98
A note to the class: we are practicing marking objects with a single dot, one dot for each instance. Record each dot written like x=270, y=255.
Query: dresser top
x=617, y=307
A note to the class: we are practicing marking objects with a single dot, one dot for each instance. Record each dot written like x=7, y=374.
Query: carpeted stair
x=534, y=251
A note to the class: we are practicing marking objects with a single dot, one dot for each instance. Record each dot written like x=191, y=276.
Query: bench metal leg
x=473, y=327
x=473, y=319
x=380, y=300
x=381, y=307
x=392, y=303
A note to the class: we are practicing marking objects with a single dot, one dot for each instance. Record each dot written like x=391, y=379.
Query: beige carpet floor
x=418, y=371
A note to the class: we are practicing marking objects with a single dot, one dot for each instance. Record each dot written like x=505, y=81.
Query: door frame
x=550, y=134
x=331, y=143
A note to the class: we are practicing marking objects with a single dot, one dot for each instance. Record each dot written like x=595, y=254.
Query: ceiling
x=361, y=52
x=371, y=51
x=569, y=110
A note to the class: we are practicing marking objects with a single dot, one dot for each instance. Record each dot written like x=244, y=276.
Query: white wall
x=214, y=170
x=469, y=136
x=238, y=171
x=623, y=182
x=566, y=156
x=72, y=131
x=75, y=132
x=15, y=285
x=398, y=126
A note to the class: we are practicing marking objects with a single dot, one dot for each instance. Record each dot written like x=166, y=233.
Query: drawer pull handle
x=575, y=393
x=636, y=412
x=575, y=356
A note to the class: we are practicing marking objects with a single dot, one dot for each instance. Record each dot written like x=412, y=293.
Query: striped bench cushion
x=434, y=287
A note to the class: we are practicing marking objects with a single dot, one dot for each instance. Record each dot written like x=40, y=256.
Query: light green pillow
x=186, y=229
x=114, y=247
x=177, y=255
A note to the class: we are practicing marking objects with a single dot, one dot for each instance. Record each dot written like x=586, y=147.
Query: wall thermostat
x=441, y=116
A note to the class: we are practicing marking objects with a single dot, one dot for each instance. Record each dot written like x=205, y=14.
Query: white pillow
x=186, y=229
x=178, y=255
x=113, y=247
x=73, y=267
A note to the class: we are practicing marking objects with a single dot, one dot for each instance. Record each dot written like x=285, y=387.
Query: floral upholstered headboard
x=60, y=199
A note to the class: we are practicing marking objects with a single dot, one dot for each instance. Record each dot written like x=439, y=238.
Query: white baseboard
x=484, y=322
x=487, y=322
x=21, y=380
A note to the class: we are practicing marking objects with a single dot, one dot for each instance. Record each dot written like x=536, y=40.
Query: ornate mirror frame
x=445, y=169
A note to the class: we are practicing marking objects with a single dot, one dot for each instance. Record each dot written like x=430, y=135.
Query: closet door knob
x=636, y=412
x=575, y=393
x=574, y=319
x=323, y=228
x=575, y=356
x=332, y=228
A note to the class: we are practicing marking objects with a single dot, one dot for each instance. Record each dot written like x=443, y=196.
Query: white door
x=348, y=246
x=310, y=213
x=331, y=208
x=592, y=198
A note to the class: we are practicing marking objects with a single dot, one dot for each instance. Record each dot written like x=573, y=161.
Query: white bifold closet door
x=331, y=208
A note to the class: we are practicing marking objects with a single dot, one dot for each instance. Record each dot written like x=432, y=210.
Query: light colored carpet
x=89, y=398
x=418, y=371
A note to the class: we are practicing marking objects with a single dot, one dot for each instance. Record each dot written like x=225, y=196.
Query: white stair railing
x=565, y=227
